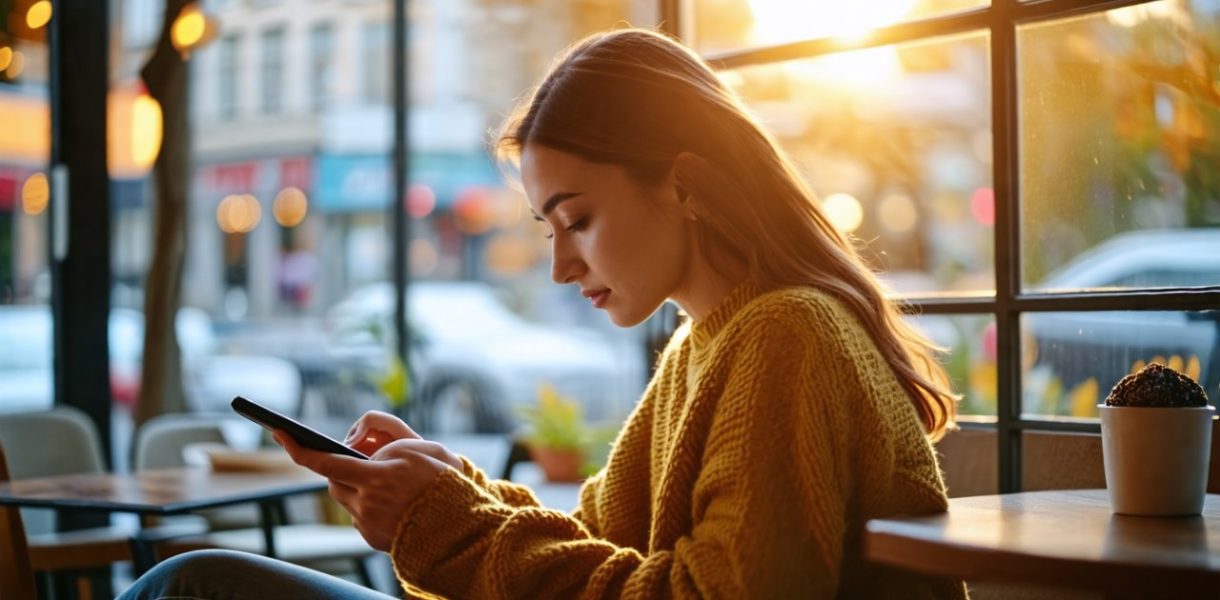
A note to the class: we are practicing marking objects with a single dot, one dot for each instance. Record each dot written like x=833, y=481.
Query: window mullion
x=1007, y=241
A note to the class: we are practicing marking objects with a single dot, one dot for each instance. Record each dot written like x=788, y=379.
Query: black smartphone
x=271, y=420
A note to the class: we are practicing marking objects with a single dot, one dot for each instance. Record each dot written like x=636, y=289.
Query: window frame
x=1000, y=19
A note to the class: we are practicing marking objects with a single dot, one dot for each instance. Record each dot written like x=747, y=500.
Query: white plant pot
x=1156, y=458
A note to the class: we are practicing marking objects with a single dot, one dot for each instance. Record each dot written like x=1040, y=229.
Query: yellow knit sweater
x=771, y=432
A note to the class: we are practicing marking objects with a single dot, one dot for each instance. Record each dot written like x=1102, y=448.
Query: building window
x=1035, y=179
x=321, y=70
x=226, y=82
x=376, y=55
x=271, y=71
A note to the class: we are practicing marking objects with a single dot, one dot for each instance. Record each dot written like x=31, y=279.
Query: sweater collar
x=704, y=330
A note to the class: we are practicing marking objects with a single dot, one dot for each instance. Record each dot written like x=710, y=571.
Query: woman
x=792, y=406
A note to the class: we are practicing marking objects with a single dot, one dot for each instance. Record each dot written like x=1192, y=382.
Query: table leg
x=267, y=518
x=142, y=556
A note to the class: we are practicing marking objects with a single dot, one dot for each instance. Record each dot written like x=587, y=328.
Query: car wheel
x=456, y=406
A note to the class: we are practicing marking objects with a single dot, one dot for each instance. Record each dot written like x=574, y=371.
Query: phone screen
x=309, y=438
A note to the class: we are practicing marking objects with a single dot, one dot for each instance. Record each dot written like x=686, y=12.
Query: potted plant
x=1156, y=431
x=558, y=435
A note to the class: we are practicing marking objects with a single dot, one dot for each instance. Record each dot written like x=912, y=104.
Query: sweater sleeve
x=766, y=518
x=512, y=494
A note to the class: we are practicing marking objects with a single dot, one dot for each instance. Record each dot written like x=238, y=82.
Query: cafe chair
x=60, y=441
x=161, y=443
x=16, y=574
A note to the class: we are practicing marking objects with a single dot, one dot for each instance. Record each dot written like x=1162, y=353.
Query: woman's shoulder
x=800, y=307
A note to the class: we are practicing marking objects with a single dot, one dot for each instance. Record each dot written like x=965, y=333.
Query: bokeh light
x=421, y=200
x=290, y=207
x=897, y=213
x=6, y=57
x=238, y=213
x=39, y=14
x=16, y=65
x=188, y=28
x=844, y=212
x=473, y=210
x=35, y=194
x=982, y=206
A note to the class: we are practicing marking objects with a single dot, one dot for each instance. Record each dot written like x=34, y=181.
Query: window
x=271, y=71
x=376, y=61
x=227, y=75
x=1036, y=179
x=321, y=70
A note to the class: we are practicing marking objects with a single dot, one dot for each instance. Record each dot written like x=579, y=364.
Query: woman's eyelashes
x=577, y=225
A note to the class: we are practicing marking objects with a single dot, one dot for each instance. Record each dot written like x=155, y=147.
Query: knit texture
x=771, y=432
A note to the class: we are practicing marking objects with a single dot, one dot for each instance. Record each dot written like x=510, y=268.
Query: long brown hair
x=638, y=99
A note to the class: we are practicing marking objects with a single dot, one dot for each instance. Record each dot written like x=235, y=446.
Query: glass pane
x=971, y=359
x=734, y=24
x=896, y=142
x=1119, y=149
x=25, y=153
x=286, y=296
x=1072, y=360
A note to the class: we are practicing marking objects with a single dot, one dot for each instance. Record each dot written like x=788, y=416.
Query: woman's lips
x=598, y=297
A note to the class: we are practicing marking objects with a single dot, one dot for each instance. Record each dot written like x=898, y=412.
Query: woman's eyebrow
x=554, y=201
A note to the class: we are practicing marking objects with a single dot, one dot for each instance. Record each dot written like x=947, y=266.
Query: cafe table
x=164, y=492
x=1061, y=539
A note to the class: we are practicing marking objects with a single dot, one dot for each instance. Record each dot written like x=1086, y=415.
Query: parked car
x=474, y=360
x=1104, y=345
x=26, y=367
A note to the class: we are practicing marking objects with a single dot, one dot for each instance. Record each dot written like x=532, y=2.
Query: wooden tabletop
x=159, y=491
x=1059, y=538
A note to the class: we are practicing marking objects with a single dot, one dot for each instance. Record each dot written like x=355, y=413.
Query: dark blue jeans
x=229, y=575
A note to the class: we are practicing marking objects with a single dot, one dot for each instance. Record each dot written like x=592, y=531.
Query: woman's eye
x=578, y=225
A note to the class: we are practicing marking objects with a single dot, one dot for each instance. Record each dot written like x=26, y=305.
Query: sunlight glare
x=778, y=21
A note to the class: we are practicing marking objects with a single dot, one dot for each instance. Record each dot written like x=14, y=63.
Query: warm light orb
x=16, y=65
x=133, y=131
x=6, y=57
x=784, y=20
x=39, y=14
x=188, y=27
x=290, y=207
x=145, y=130
x=897, y=213
x=238, y=213
x=35, y=194
x=843, y=211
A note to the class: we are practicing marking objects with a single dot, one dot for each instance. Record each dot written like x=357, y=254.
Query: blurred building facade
x=292, y=108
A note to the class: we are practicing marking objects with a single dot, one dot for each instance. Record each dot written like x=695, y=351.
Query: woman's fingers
x=376, y=429
x=434, y=450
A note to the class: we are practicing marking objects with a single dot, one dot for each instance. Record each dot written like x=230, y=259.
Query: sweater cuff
x=445, y=533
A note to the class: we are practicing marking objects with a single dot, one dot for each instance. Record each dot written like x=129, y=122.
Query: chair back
x=60, y=441
x=160, y=444
x=161, y=440
x=16, y=575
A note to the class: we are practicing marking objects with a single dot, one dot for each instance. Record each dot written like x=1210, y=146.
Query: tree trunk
x=165, y=75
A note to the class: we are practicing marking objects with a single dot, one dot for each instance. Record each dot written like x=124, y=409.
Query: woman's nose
x=566, y=265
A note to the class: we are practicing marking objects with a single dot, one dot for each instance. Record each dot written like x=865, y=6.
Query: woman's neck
x=707, y=287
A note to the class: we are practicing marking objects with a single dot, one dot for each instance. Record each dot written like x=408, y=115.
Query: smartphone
x=306, y=437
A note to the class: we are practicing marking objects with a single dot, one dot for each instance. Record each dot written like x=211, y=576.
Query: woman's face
x=626, y=244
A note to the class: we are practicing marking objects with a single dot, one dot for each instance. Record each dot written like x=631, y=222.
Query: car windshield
x=460, y=311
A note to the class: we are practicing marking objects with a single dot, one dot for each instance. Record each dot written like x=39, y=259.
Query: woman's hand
x=378, y=491
x=376, y=429
x=373, y=431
